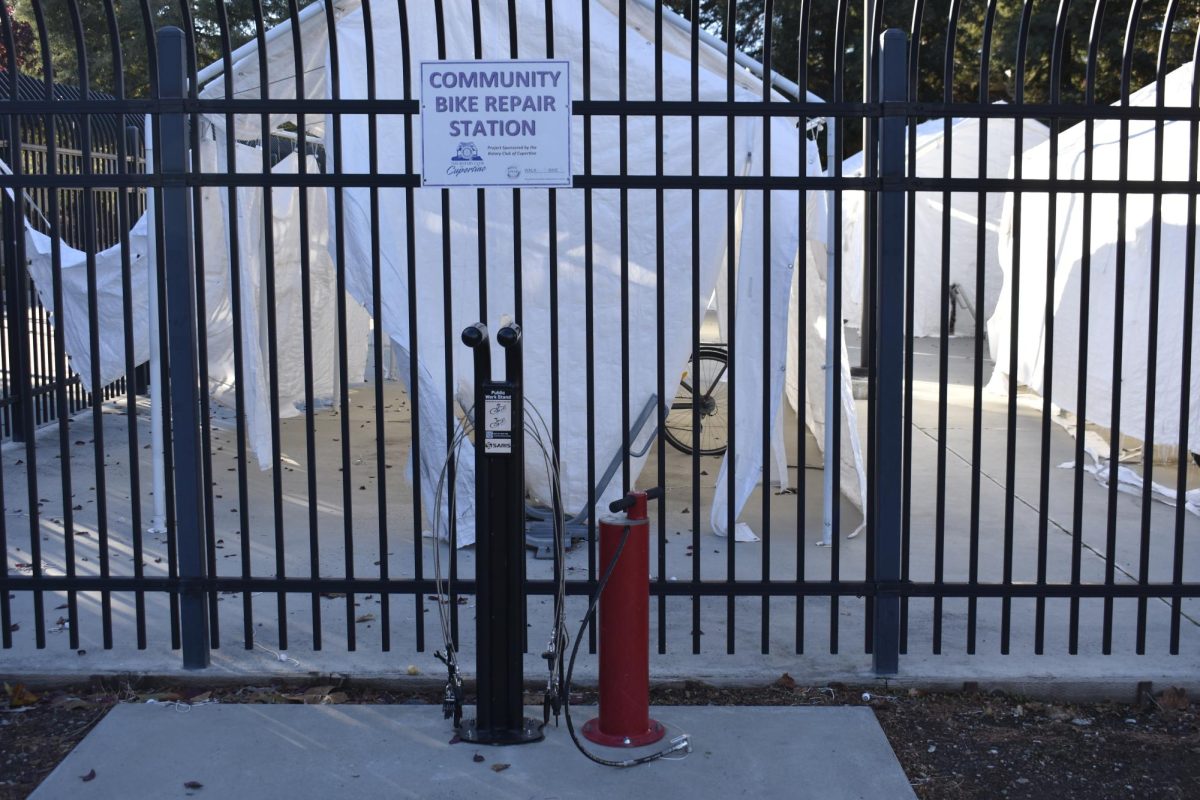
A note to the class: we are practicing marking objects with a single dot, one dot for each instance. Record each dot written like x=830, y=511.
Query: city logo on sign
x=466, y=152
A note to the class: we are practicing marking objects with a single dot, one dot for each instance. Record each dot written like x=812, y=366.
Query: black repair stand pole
x=499, y=545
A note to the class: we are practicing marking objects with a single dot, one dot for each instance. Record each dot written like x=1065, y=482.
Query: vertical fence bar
x=914, y=68
x=17, y=326
x=206, y=450
x=731, y=267
x=869, y=88
x=801, y=291
x=889, y=334
x=660, y=316
x=1189, y=311
x=181, y=352
x=589, y=306
x=696, y=315
x=768, y=427
x=414, y=400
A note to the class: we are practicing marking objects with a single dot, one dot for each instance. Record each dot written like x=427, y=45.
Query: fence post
x=178, y=272
x=886, y=472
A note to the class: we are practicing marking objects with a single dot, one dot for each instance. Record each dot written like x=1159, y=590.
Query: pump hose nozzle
x=626, y=502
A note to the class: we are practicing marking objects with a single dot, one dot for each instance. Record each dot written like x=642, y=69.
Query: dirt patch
x=989, y=745
x=960, y=745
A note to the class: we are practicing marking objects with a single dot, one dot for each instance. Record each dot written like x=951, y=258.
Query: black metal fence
x=970, y=532
x=27, y=364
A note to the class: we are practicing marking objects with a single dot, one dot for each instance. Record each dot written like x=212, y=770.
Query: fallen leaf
x=455, y=739
x=1174, y=699
x=19, y=696
x=786, y=681
x=365, y=618
x=193, y=785
x=89, y=777
x=499, y=767
x=478, y=759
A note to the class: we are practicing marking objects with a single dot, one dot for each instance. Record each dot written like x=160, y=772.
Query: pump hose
x=676, y=745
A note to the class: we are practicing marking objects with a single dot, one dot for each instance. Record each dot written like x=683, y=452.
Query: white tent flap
x=1023, y=254
x=929, y=218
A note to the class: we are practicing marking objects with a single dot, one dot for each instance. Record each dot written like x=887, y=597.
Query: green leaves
x=126, y=67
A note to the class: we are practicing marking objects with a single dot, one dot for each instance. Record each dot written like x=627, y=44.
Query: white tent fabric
x=281, y=72
x=75, y=316
x=853, y=474
x=929, y=213
x=1135, y=295
x=572, y=248
x=288, y=297
x=605, y=244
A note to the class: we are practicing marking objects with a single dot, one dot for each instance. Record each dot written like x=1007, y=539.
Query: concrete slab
x=269, y=752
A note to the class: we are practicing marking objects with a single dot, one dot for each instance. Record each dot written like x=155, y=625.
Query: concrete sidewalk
x=269, y=752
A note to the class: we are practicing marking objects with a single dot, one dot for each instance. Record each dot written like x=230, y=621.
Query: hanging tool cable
x=452, y=698
x=555, y=652
x=556, y=646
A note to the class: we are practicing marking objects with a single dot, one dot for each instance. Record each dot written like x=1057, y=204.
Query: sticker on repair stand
x=497, y=422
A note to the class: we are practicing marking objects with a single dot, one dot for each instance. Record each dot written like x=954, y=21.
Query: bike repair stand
x=499, y=545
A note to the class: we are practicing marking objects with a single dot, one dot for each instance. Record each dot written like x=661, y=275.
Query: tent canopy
x=575, y=257
x=617, y=253
x=1078, y=249
x=964, y=218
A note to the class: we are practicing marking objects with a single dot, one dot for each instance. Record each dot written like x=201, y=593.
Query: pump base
x=591, y=730
x=530, y=731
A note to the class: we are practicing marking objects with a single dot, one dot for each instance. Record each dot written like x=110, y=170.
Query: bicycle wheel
x=704, y=388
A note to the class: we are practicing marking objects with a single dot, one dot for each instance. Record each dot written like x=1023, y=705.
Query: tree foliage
x=133, y=20
x=931, y=32
x=747, y=28
x=23, y=48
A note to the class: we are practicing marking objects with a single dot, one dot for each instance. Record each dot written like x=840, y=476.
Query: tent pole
x=832, y=382
x=158, y=522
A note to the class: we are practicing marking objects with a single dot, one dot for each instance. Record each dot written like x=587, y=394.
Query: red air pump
x=624, y=719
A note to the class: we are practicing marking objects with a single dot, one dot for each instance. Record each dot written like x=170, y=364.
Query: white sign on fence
x=496, y=123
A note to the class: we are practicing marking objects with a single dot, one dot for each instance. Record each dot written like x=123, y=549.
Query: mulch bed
x=951, y=745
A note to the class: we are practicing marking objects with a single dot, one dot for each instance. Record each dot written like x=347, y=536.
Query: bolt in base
x=591, y=730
